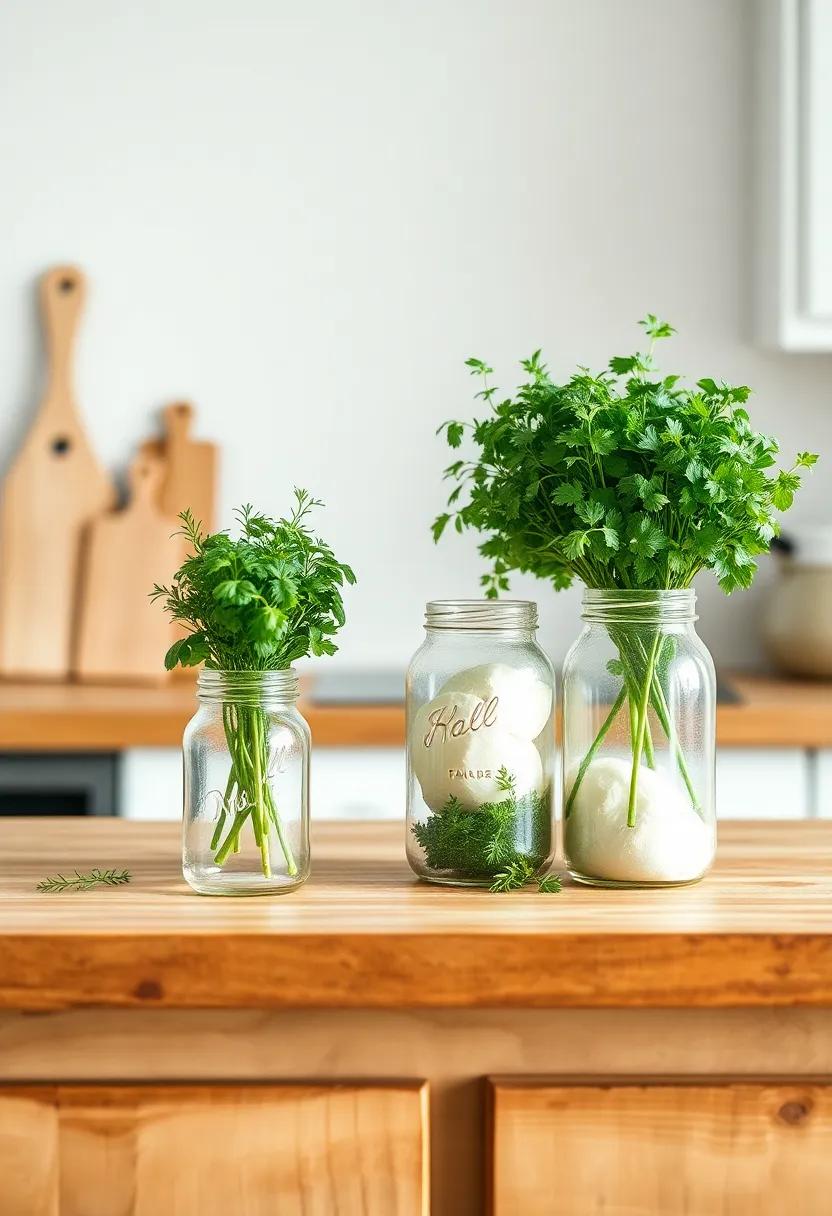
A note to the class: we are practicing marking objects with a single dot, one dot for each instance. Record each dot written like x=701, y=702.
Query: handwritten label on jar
x=445, y=724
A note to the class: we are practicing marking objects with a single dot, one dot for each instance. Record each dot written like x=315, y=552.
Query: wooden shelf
x=363, y=933
x=75, y=717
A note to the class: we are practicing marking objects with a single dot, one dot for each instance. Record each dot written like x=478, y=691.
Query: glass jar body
x=480, y=755
x=639, y=702
x=246, y=786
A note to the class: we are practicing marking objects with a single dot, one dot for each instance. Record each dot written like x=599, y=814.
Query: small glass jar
x=639, y=707
x=480, y=744
x=246, y=767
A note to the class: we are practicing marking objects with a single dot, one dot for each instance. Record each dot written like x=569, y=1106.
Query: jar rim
x=483, y=614
x=249, y=687
x=619, y=605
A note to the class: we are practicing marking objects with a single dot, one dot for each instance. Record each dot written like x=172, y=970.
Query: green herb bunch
x=254, y=603
x=507, y=841
x=622, y=479
x=260, y=601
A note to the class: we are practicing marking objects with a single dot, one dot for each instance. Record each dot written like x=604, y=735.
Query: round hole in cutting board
x=66, y=284
x=61, y=445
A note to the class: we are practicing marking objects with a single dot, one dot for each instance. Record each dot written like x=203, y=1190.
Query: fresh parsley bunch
x=622, y=479
x=260, y=601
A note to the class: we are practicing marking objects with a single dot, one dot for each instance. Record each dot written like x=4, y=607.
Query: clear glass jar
x=480, y=744
x=246, y=761
x=639, y=706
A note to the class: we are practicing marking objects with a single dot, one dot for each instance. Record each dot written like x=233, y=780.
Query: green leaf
x=568, y=493
x=590, y=512
x=439, y=526
x=550, y=884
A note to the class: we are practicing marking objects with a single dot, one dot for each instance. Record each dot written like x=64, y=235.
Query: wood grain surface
x=54, y=488
x=452, y=1049
x=661, y=1149
x=67, y=717
x=364, y=933
x=175, y=1150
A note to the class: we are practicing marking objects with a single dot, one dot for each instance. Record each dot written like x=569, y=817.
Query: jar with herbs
x=480, y=746
x=639, y=702
x=247, y=608
x=246, y=768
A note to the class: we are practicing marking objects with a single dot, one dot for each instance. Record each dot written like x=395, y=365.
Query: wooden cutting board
x=123, y=636
x=53, y=489
x=190, y=467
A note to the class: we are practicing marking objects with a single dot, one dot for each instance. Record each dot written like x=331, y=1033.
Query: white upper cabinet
x=793, y=294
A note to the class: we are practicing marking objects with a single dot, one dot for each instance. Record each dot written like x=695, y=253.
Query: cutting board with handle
x=122, y=635
x=54, y=488
x=190, y=467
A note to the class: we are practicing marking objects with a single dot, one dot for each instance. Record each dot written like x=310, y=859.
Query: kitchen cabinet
x=793, y=194
x=822, y=780
x=763, y=783
x=660, y=1149
x=295, y=1044
x=368, y=783
x=212, y=1149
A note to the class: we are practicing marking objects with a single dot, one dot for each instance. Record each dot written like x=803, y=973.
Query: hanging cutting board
x=53, y=489
x=190, y=467
x=122, y=634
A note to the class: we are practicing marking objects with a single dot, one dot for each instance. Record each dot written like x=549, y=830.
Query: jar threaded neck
x=248, y=687
x=485, y=615
x=612, y=606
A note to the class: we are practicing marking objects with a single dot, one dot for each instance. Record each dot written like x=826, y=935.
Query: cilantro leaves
x=622, y=479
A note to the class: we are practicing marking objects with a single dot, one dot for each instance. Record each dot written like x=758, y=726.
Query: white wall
x=305, y=217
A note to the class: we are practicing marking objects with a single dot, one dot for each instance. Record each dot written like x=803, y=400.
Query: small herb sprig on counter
x=505, y=841
x=254, y=603
x=519, y=873
x=84, y=882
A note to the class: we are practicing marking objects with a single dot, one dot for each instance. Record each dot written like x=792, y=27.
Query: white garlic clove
x=669, y=842
x=524, y=702
x=455, y=749
x=432, y=727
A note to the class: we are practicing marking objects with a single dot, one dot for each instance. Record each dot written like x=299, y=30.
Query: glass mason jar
x=480, y=744
x=639, y=701
x=246, y=762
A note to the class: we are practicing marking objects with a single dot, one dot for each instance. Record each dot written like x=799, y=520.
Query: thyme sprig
x=84, y=882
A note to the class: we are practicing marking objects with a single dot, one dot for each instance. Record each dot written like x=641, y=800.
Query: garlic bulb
x=669, y=842
x=524, y=702
x=457, y=748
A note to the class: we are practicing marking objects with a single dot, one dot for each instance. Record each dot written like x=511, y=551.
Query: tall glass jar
x=639, y=700
x=480, y=744
x=246, y=767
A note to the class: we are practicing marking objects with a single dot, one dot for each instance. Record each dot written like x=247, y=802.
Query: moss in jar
x=504, y=844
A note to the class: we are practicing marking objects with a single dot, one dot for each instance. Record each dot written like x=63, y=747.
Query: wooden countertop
x=75, y=717
x=364, y=933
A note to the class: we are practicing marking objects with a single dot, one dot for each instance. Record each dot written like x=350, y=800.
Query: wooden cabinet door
x=213, y=1150
x=634, y=1149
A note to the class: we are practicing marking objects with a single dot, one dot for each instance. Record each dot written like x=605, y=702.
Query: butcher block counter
x=766, y=712
x=371, y=1044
